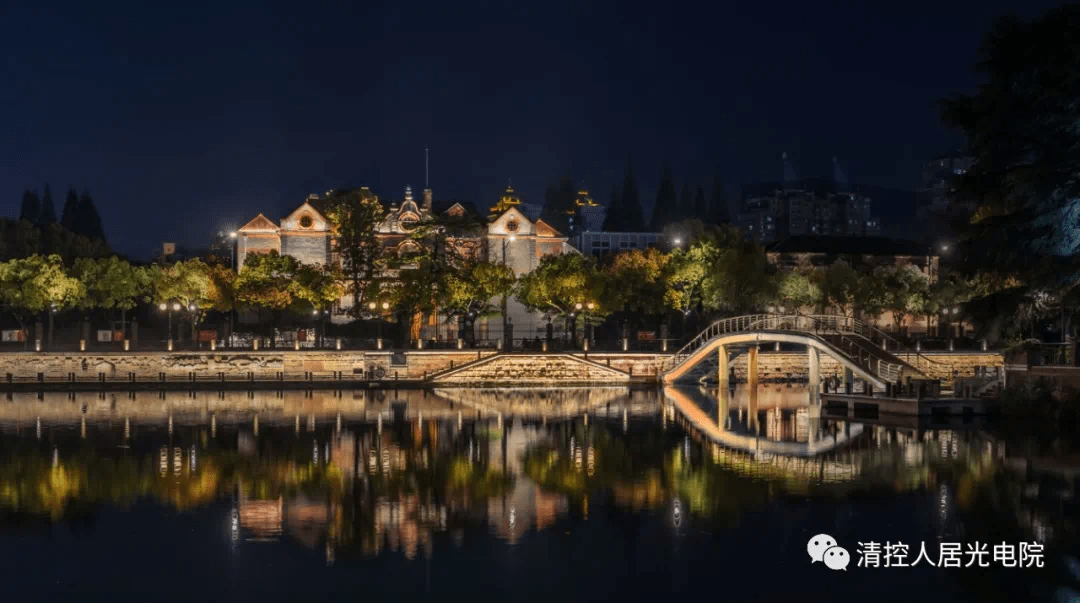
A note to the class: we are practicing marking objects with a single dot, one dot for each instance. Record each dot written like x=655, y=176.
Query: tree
x=718, y=205
x=111, y=284
x=635, y=281
x=31, y=207
x=69, y=219
x=319, y=285
x=48, y=211
x=558, y=284
x=905, y=291
x=32, y=285
x=687, y=270
x=614, y=214
x=839, y=286
x=666, y=208
x=701, y=207
x=89, y=222
x=1020, y=125
x=685, y=209
x=469, y=290
x=625, y=213
x=797, y=291
x=559, y=204
x=355, y=215
x=194, y=286
x=739, y=278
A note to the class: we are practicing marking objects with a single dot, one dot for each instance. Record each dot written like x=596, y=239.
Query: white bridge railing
x=854, y=337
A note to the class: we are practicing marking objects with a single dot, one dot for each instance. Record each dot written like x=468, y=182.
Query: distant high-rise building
x=807, y=207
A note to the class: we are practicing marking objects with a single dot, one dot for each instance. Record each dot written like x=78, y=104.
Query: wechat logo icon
x=824, y=548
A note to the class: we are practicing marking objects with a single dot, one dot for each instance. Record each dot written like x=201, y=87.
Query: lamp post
x=169, y=308
x=378, y=319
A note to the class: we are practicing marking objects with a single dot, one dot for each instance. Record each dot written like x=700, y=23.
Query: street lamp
x=169, y=308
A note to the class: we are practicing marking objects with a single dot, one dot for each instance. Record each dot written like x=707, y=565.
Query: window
x=306, y=222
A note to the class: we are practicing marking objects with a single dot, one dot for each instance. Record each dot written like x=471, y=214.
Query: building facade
x=510, y=238
x=600, y=244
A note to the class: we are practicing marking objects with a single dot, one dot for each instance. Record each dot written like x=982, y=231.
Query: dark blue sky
x=185, y=118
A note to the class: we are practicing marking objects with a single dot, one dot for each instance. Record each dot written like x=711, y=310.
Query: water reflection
x=414, y=473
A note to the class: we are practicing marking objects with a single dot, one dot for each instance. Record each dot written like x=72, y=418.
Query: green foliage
x=738, y=275
x=559, y=283
x=267, y=281
x=635, y=281
x=32, y=285
x=906, y=292
x=356, y=215
x=195, y=286
x=319, y=285
x=111, y=283
x=797, y=291
x=470, y=288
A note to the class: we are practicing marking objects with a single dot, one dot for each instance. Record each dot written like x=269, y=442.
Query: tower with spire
x=508, y=200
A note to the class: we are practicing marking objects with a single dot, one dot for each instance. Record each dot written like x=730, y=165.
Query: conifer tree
x=685, y=209
x=630, y=202
x=48, y=211
x=70, y=216
x=701, y=208
x=31, y=207
x=89, y=220
x=666, y=208
x=718, y=205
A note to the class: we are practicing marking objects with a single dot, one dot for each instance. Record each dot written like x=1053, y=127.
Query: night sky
x=186, y=118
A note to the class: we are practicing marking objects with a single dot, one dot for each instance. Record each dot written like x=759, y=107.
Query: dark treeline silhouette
x=624, y=209
x=78, y=232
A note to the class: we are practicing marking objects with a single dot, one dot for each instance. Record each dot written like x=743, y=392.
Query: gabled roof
x=543, y=229
x=260, y=224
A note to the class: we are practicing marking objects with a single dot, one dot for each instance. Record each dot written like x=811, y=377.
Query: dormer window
x=306, y=222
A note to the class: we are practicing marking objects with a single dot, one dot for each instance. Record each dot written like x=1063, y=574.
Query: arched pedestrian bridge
x=861, y=350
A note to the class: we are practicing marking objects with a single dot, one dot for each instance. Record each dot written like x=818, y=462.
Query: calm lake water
x=573, y=495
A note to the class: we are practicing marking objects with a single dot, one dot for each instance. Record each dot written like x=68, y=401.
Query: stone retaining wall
x=780, y=365
x=234, y=365
x=266, y=364
x=554, y=370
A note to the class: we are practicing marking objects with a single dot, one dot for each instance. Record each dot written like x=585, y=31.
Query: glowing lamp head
x=678, y=241
x=591, y=305
x=385, y=305
x=163, y=306
x=372, y=306
x=232, y=234
x=176, y=306
x=577, y=306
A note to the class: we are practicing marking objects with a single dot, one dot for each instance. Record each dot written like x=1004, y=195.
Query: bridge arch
x=720, y=343
x=850, y=341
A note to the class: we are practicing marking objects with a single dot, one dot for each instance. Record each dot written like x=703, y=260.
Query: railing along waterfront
x=853, y=338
